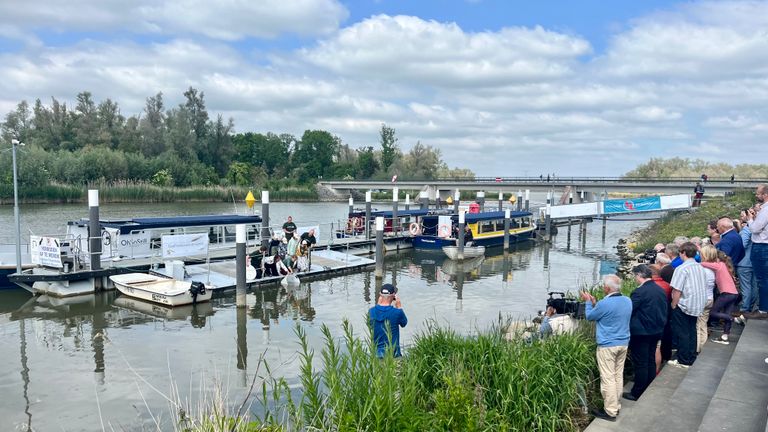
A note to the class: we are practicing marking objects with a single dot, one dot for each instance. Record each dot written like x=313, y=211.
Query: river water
x=104, y=362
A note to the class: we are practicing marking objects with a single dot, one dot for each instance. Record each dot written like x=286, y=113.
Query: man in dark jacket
x=730, y=240
x=649, y=315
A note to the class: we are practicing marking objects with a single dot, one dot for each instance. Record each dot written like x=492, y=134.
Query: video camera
x=566, y=305
x=649, y=256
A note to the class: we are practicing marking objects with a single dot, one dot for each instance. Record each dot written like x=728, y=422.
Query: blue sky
x=501, y=87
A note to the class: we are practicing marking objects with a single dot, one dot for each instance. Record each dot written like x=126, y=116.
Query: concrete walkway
x=725, y=390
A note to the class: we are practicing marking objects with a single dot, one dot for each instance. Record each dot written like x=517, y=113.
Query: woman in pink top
x=719, y=262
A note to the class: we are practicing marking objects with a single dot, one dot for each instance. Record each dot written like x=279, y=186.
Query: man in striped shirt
x=689, y=296
x=758, y=224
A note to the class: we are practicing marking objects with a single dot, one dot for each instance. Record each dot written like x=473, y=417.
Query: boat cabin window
x=515, y=223
x=526, y=222
x=487, y=226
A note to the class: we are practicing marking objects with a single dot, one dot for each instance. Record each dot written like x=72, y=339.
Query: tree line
x=186, y=146
x=694, y=168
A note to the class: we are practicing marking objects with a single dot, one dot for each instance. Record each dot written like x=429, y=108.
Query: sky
x=505, y=88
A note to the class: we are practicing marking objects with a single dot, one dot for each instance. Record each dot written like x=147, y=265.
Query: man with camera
x=386, y=318
x=612, y=315
x=649, y=316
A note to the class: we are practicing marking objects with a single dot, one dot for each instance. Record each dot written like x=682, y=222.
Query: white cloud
x=409, y=49
x=222, y=19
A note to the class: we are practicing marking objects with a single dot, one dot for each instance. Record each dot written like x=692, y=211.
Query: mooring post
x=461, y=235
x=242, y=342
x=506, y=229
x=379, y=272
x=407, y=202
x=519, y=200
x=240, y=264
x=351, y=206
x=368, y=214
x=549, y=197
x=395, y=219
x=94, y=229
x=481, y=200
x=501, y=200
x=527, y=200
x=570, y=197
x=265, y=219
x=548, y=221
x=456, y=201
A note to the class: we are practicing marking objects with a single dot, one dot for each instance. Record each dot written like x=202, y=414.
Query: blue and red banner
x=631, y=205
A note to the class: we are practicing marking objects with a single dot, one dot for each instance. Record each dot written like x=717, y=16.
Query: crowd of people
x=286, y=253
x=695, y=288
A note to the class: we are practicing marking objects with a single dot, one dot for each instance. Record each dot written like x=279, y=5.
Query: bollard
x=506, y=229
x=351, y=206
x=456, y=201
x=461, y=235
x=368, y=215
x=379, y=272
x=265, y=219
x=240, y=264
x=501, y=201
x=527, y=200
x=395, y=219
x=94, y=229
x=481, y=200
x=548, y=222
x=424, y=200
x=520, y=201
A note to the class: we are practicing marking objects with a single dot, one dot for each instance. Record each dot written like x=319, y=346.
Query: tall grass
x=128, y=192
x=446, y=382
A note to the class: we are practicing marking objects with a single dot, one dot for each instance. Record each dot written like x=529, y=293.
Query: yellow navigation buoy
x=512, y=199
x=250, y=200
x=449, y=200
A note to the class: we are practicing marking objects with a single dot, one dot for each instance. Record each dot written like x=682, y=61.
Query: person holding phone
x=386, y=318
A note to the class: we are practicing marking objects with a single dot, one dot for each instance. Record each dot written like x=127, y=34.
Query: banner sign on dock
x=46, y=251
x=185, y=245
x=631, y=205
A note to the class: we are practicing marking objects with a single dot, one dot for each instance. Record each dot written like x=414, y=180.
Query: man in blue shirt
x=730, y=241
x=386, y=318
x=612, y=315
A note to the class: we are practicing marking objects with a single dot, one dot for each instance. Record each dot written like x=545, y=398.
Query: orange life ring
x=415, y=229
x=357, y=222
x=444, y=231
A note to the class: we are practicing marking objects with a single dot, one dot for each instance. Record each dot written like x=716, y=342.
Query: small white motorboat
x=158, y=289
x=452, y=252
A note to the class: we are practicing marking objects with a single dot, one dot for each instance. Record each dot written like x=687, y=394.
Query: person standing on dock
x=612, y=315
x=649, y=316
x=386, y=318
x=689, y=297
x=289, y=228
x=730, y=240
x=758, y=225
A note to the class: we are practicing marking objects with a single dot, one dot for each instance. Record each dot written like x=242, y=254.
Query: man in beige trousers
x=612, y=315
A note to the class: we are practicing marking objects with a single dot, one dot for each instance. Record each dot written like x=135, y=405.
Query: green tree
x=314, y=154
x=17, y=124
x=389, y=150
x=152, y=126
x=366, y=162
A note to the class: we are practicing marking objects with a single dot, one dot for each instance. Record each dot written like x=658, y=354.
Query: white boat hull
x=452, y=252
x=169, y=292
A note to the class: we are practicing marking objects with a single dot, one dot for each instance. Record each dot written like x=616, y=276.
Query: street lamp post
x=14, y=144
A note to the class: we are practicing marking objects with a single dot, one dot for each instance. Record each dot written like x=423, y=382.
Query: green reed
x=447, y=381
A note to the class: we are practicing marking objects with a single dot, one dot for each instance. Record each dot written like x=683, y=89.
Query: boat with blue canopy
x=437, y=231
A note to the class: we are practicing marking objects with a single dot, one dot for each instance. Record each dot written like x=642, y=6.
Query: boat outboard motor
x=197, y=288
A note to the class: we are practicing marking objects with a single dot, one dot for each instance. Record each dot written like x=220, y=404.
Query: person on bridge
x=698, y=192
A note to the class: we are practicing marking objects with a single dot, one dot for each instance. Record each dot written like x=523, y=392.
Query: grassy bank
x=128, y=192
x=446, y=382
x=692, y=223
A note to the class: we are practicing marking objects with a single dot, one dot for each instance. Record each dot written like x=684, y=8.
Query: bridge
x=444, y=187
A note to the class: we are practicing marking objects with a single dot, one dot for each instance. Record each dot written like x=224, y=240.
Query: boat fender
x=444, y=231
x=196, y=289
x=415, y=229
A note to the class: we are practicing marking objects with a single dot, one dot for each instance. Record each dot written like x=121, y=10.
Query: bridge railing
x=558, y=179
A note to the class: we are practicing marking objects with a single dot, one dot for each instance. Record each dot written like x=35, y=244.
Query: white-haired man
x=612, y=315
